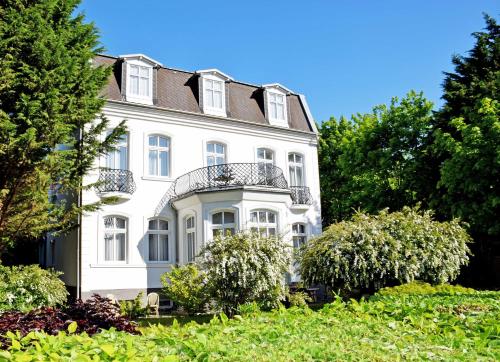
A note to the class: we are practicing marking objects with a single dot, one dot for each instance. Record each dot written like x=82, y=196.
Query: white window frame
x=190, y=231
x=167, y=232
x=123, y=143
x=115, y=231
x=297, y=234
x=295, y=165
x=272, y=93
x=212, y=109
x=137, y=98
x=215, y=154
x=224, y=226
x=158, y=148
x=263, y=224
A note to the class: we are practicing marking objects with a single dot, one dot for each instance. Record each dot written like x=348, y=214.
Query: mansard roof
x=178, y=90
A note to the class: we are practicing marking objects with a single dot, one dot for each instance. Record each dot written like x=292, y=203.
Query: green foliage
x=467, y=136
x=133, y=309
x=298, y=299
x=370, y=163
x=376, y=251
x=244, y=268
x=421, y=288
x=404, y=327
x=186, y=286
x=24, y=288
x=49, y=96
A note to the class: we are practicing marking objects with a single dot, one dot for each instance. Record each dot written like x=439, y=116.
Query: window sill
x=132, y=266
x=215, y=112
x=141, y=100
x=158, y=178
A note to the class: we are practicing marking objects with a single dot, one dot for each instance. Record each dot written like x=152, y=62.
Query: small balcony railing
x=115, y=180
x=301, y=195
x=228, y=175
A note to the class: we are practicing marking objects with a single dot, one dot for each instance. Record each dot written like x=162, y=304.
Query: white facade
x=116, y=247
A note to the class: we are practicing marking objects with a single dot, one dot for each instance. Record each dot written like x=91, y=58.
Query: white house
x=204, y=154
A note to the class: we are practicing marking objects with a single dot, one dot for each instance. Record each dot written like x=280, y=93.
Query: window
x=263, y=222
x=296, y=168
x=277, y=106
x=158, y=155
x=118, y=158
x=158, y=240
x=223, y=223
x=213, y=90
x=299, y=235
x=191, y=238
x=216, y=154
x=265, y=162
x=115, y=238
x=139, y=81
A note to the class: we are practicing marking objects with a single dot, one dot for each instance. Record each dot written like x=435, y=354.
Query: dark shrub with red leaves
x=91, y=316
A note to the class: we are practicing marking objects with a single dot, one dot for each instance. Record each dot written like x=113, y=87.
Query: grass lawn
x=443, y=326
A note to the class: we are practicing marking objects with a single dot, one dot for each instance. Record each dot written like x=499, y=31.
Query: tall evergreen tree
x=50, y=122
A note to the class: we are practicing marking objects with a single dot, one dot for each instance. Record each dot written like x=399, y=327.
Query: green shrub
x=298, y=299
x=186, y=286
x=245, y=268
x=24, y=288
x=373, y=251
x=421, y=288
x=133, y=308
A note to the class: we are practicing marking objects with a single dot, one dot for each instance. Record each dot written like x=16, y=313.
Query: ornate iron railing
x=301, y=195
x=114, y=180
x=226, y=176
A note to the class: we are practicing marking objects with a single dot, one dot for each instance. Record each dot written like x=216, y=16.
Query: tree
x=467, y=135
x=244, y=268
x=372, y=251
x=50, y=122
x=375, y=161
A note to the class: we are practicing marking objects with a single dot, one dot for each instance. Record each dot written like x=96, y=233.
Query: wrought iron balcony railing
x=227, y=176
x=301, y=195
x=115, y=180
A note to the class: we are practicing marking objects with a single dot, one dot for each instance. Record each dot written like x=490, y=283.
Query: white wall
x=188, y=134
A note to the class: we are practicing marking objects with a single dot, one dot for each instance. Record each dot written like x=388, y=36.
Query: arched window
x=223, y=223
x=117, y=159
x=296, y=168
x=158, y=155
x=263, y=222
x=216, y=153
x=191, y=237
x=158, y=240
x=299, y=235
x=265, y=162
x=115, y=238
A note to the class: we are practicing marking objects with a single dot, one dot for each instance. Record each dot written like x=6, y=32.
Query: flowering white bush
x=372, y=251
x=245, y=268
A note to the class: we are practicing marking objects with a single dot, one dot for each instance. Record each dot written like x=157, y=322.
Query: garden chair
x=153, y=303
x=113, y=299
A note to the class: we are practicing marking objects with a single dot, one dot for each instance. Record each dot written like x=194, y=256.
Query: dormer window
x=138, y=78
x=213, y=91
x=275, y=97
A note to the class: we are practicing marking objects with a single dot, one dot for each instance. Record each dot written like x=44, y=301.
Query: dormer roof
x=277, y=86
x=215, y=72
x=142, y=57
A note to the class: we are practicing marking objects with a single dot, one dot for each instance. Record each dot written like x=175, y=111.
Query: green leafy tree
x=373, y=251
x=467, y=136
x=50, y=122
x=375, y=161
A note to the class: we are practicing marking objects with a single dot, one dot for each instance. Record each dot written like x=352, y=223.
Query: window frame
x=267, y=225
x=213, y=154
x=223, y=226
x=211, y=109
x=105, y=157
x=295, y=164
x=298, y=234
x=276, y=91
x=167, y=232
x=158, y=148
x=114, y=231
x=187, y=232
x=137, y=98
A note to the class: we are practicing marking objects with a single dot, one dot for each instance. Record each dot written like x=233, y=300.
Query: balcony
x=115, y=182
x=301, y=195
x=227, y=176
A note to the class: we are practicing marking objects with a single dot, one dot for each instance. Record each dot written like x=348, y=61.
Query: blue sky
x=345, y=56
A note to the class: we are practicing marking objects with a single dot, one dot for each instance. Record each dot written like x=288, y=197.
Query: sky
x=344, y=56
